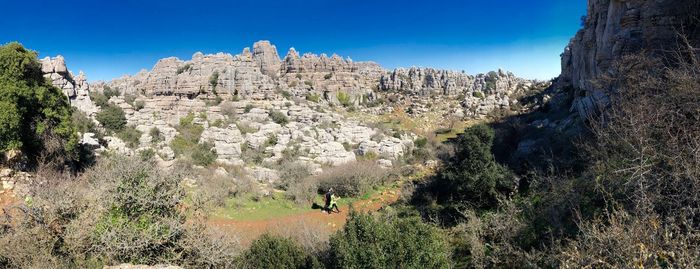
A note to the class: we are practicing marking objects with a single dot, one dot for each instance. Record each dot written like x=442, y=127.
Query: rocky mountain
x=614, y=28
x=262, y=75
x=255, y=109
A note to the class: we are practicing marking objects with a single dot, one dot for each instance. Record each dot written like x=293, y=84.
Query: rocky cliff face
x=261, y=75
x=76, y=88
x=212, y=75
x=614, y=28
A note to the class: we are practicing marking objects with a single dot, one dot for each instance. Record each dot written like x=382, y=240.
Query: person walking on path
x=334, y=203
x=327, y=200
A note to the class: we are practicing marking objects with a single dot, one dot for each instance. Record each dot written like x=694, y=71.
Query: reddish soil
x=250, y=230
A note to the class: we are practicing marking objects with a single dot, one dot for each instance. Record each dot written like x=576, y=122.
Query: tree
x=112, y=117
x=472, y=175
x=31, y=109
x=368, y=242
x=275, y=252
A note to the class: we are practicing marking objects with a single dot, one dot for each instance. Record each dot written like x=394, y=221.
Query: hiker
x=334, y=203
x=327, y=200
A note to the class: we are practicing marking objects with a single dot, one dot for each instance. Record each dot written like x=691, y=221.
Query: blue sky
x=107, y=39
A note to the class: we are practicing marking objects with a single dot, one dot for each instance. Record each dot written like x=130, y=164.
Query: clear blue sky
x=107, y=39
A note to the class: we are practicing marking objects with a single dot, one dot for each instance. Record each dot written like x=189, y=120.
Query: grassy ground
x=277, y=206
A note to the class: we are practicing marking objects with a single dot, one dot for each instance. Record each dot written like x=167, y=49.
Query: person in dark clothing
x=327, y=199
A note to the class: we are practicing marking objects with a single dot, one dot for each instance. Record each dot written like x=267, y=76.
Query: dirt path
x=250, y=230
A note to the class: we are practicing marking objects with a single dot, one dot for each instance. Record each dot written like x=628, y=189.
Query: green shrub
x=308, y=83
x=147, y=154
x=368, y=242
x=112, y=118
x=270, y=251
x=108, y=92
x=130, y=136
x=229, y=110
x=347, y=146
x=278, y=117
x=82, y=123
x=344, y=99
x=214, y=79
x=420, y=142
x=99, y=99
x=285, y=94
x=352, y=179
x=313, y=97
x=30, y=107
x=328, y=76
x=186, y=142
x=122, y=210
x=141, y=222
x=478, y=95
x=245, y=128
x=472, y=175
x=271, y=141
x=156, y=135
x=298, y=76
x=203, y=154
x=130, y=99
x=138, y=105
x=184, y=68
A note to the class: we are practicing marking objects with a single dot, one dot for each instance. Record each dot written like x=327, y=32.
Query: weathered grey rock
x=76, y=89
x=89, y=140
x=614, y=28
x=332, y=153
x=262, y=174
x=266, y=57
x=227, y=142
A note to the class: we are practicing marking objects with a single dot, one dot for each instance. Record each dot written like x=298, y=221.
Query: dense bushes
x=130, y=136
x=112, y=118
x=344, y=99
x=471, y=175
x=122, y=210
x=279, y=117
x=388, y=242
x=352, y=179
x=31, y=109
x=270, y=251
x=186, y=142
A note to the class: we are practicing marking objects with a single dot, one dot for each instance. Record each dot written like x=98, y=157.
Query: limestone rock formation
x=222, y=75
x=266, y=57
x=614, y=28
x=482, y=93
x=328, y=77
x=75, y=88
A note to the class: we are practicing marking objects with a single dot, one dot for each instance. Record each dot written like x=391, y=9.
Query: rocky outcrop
x=266, y=58
x=329, y=77
x=426, y=81
x=614, y=28
x=214, y=75
x=481, y=94
x=75, y=88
